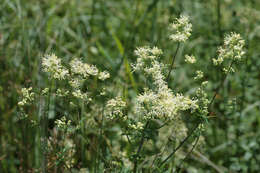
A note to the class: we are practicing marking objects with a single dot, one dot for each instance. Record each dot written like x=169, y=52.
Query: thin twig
x=140, y=147
x=188, y=154
x=100, y=134
x=173, y=60
x=221, y=84
x=179, y=146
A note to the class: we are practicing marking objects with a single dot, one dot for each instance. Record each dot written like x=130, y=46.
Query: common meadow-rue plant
x=153, y=126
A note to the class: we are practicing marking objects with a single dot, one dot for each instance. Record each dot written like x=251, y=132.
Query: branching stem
x=140, y=148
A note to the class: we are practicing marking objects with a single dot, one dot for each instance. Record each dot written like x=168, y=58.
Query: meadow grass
x=106, y=33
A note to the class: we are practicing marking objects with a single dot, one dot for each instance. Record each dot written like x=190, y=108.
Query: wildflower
x=45, y=91
x=28, y=96
x=78, y=94
x=232, y=49
x=75, y=82
x=181, y=28
x=204, y=83
x=103, y=92
x=199, y=75
x=62, y=93
x=137, y=126
x=203, y=100
x=83, y=69
x=63, y=123
x=148, y=53
x=159, y=102
x=52, y=64
x=114, y=108
x=190, y=59
x=103, y=75
x=228, y=70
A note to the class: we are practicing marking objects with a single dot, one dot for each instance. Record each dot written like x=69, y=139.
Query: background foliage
x=105, y=33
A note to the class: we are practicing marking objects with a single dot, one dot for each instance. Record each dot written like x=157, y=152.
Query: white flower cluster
x=138, y=126
x=45, y=91
x=145, y=54
x=190, y=59
x=199, y=75
x=80, y=71
x=28, y=96
x=181, y=29
x=103, y=75
x=61, y=92
x=115, y=107
x=232, y=49
x=80, y=95
x=148, y=53
x=52, y=64
x=202, y=96
x=62, y=123
x=159, y=102
x=83, y=69
x=163, y=104
x=75, y=82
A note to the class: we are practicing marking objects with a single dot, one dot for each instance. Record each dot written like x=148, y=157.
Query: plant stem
x=100, y=135
x=173, y=60
x=193, y=147
x=221, y=84
x=140, y=148
x=179, y=146
x=45, y=129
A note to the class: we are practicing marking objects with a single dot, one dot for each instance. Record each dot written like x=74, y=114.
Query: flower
x=103, y=75
x=61, y=92
x=232, y=49
x=28, y=96
x=114, y=108
x=83, y=69
x=78, y=94
x=190, y=59
x=181, y=29
x=158, y=101
x=45, y=91
x=199, y=75
x=52, y=64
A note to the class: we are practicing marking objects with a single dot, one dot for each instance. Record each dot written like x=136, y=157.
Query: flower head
x=52, y=64
x=158, y=102
x=181, y=29
x=232, y=49
x=190, y=59
x=83, y=69
x=103, y=75
x=28, y=96
x=114, y=108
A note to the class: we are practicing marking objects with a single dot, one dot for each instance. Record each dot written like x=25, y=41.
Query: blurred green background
x=105, y=33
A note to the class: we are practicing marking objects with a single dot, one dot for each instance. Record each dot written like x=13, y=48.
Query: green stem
x=221, y=84
x=140, y=148
x=179, y=146
x=173, y=60
x=45, y=130
x=187, y=155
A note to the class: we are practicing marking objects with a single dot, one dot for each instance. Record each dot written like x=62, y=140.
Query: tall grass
x=106, y=33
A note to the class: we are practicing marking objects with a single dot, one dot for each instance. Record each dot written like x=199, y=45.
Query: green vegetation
x=121, y=86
